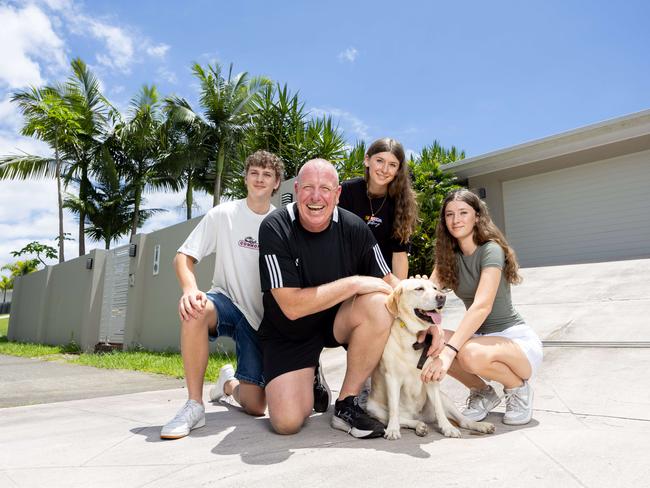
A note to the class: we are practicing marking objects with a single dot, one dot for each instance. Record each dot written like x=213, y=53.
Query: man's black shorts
x=282, y=354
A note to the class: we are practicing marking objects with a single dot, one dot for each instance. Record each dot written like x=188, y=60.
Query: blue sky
x=477, y=75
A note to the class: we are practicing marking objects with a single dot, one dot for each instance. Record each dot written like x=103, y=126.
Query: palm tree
x=278, y=116
x=72, y=118
x=6, y=283
x=138, y=145
x=352, y=165
x=109, y=206
x=227, y=107
x=281, y=125
x=48, y=118
x=188, y=157
x=95, y=115
x=431, y=185
x=21, y=268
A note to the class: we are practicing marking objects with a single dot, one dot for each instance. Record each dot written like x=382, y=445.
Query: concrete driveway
x=591, y=425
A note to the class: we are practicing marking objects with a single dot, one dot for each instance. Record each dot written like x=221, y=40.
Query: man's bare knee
x=287, y=425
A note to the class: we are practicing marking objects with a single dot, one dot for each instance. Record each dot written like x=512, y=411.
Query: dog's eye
x=419, y=288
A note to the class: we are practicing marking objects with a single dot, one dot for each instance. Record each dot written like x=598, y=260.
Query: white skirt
x=527, y=340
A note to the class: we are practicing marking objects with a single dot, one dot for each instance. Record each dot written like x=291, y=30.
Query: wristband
x=451, y=347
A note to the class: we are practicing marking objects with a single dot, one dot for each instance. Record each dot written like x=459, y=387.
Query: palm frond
x=26, y=167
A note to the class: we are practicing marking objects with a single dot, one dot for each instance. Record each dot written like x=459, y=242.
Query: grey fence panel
x=28, y=306
x=67, y=301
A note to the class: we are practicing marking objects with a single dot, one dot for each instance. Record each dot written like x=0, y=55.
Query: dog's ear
x=393, y=300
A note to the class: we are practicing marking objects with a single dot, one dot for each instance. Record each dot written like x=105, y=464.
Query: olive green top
x=488, y=255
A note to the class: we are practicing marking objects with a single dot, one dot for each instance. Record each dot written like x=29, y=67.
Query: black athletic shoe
x=321, y=391
x=351, y=418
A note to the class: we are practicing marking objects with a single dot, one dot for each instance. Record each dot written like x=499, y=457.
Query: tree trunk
x=189, y=200
x=60, y=202
x=83, y=195
x=136, y=211
x=217, y=181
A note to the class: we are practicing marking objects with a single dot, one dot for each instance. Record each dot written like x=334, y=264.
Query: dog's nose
x=440, y=300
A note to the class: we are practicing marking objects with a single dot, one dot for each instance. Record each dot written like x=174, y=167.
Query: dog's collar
x=425, y=347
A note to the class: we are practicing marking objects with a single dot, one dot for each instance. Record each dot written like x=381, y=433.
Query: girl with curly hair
x=384, y=199
x=492, y=341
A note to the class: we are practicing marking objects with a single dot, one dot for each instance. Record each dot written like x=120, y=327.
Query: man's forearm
x=296, y=303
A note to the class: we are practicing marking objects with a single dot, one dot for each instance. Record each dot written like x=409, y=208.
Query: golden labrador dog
x=398, y=396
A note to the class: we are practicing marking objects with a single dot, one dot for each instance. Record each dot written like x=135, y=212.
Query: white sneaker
x=519, y=405
x=480, y=403
x=191, y=416
x=226, y=373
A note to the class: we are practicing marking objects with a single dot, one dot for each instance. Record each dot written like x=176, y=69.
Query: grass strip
x=27, y=350
x=4, y=325
x=168, y=363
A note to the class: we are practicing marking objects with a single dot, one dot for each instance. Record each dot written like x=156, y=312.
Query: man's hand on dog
x=370, y=284
x=192, y=304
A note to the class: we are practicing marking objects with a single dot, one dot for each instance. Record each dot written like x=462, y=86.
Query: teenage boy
x=233, y=306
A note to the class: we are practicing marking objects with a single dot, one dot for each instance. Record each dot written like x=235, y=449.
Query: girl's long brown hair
x=400, y=190
x=484, y=231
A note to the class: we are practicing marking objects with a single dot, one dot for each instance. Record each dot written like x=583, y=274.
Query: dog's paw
x=392, y=434
x=484, y=427
x=421, y=429
x=450, y=431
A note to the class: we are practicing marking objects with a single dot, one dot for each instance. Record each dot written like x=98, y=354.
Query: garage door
x=592, y=212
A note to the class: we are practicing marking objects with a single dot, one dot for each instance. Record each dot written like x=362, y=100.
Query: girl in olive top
x=385, y=200
x=492, y=341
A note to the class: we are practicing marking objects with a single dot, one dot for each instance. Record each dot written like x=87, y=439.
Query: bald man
x=325, y=283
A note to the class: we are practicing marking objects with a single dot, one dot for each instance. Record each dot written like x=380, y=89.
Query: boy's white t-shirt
x=230, y=230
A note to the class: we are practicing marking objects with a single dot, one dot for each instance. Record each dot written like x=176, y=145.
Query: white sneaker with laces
x=226, y=373
x=519, y=405
x=191, y=416
x=480, y=403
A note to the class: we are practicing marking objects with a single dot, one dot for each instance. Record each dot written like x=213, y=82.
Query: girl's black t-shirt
x=377, y=213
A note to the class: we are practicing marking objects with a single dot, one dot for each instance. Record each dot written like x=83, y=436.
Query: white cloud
x=119, y=45
x=28, y=212
x=166, y=74
x=9, y=115
x=411, y=153
x=23, y=220
x=349, y=55
x=158, y=51
x=122, y=44
x=12, y=144
x=26, y=38
x=348, y=121
x=59, y=4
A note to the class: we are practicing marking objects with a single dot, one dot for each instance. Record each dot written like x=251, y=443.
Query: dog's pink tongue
x=435, y=317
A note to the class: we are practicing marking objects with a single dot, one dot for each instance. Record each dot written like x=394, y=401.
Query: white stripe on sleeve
x=278, y=270
x=380, y=260
x=272, y=276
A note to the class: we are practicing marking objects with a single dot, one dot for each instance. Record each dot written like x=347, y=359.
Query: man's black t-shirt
x=354, y=197
x=292, y=257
